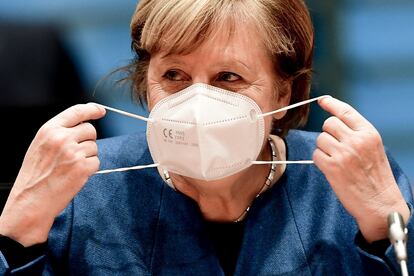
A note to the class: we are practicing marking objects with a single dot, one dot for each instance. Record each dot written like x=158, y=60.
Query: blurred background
x=57, y=53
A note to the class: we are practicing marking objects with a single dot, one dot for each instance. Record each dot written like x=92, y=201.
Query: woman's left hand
x=351, y=155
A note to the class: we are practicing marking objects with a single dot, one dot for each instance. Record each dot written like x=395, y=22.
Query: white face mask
x=213, y=132
x=205, y=132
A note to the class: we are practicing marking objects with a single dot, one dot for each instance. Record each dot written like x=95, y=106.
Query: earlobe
x=279, y=115
x=149, y=106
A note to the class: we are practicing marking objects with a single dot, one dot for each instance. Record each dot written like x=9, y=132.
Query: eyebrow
x=233, y=62
x=242, y=63
x=172, y=59
x=223, y=63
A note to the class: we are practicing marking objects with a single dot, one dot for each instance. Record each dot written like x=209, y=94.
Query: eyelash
x=168, y=76
x=172, y=74
x=231, y=74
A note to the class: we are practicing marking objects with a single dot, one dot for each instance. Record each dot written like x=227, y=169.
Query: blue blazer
x=131, y=223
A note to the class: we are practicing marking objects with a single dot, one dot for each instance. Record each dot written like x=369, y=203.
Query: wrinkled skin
x=57, y=164
x=351, y=155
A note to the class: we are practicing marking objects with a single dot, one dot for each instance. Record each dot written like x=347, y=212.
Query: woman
x=200, y=64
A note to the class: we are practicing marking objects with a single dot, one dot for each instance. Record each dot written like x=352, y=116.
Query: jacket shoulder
x=301, y=144
x=138, y=188
x=126, y=150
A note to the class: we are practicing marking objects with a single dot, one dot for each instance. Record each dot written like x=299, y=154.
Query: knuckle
x=328, y=123
x=95, y=107
x=324, y=164
x=346, y=112
x=91, y=146
x=374, y=138
x=95, y=148
x=320, y=141
x=316, y=156
x=334, y=169
x=91, y=129
x=45, y=130
x=87, y=130
x=359, y=144
x=92, y=166
x=345, y=157
x=57, y=138
x=96, y=165
x=77, y=110
x=88, y=167
x=89, y=126
x=78, y=107
x=69, y=154
x=367, y=140
x=81, y=168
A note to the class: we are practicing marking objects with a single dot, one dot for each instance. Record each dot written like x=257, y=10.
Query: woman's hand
x=351, y=155
x=57, y=164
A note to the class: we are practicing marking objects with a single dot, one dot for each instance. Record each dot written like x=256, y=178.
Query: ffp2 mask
x=206, y=132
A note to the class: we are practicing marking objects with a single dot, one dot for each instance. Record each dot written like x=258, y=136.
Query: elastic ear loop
x=135, y=117
x=126, y=113
x=253, y=162
x=281, y=110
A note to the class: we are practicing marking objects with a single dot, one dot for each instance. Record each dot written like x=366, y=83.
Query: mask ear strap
x=283, y=162
x=281, y=110
x=127, y=113
x=293, y=106
x=128, y=168
x=135, y=117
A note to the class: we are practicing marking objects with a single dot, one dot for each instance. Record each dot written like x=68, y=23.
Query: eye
x=174, y=75
x=228, y=77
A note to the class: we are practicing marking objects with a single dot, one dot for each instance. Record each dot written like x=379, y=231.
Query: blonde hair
x=180, y=26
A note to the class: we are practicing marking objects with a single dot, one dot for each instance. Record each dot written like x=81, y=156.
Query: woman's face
x=238, y=63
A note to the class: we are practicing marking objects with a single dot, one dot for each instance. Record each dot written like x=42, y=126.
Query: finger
x=83, y=170
x=344, y=112
x=327, y=143
x=321, y=160
x=89, y=148
x=84, y=132
x=92, y=164
x=338, y=129
x=79, y=113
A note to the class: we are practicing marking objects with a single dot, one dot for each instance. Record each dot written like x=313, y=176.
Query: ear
x=283, y=95
x=149, y=107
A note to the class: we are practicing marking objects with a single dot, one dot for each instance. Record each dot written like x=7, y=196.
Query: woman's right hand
x=59, y=161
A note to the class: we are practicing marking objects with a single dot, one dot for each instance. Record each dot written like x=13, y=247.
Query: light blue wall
x=96, y=33
x=377, y=46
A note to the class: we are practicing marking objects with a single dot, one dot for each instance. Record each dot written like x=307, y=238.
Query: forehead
x=228, y=41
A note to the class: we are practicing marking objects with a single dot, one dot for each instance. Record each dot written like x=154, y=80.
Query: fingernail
x=100, y=107
x=325, y=98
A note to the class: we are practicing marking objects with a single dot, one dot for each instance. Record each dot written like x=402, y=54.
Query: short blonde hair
x=180, y=26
